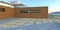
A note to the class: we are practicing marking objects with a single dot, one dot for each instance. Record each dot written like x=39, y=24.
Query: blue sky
x=53, y=5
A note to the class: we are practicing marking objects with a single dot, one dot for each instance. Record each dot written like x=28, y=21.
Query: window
x=24, y=11
x=2, y=9
x=34, y=11
x=30, y=11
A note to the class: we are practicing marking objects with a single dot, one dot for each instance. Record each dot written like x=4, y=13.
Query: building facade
x=8, y=10
x=32, y=12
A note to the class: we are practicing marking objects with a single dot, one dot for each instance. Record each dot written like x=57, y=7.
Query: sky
x=53, y=5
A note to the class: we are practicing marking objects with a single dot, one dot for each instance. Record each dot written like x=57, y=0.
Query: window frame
x=2, y=9
x=30, y=11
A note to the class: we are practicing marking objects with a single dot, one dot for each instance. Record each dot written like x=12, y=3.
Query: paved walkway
x=5, y=23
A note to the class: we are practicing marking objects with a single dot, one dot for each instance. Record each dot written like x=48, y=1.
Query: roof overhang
x=7, y=4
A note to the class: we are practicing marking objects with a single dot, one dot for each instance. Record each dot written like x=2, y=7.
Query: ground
x=15, y=22
x=24, y=21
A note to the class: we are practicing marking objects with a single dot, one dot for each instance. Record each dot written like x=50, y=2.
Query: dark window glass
x=30, y=11
x=34, y=11
x=24, y=11
x=2, y=9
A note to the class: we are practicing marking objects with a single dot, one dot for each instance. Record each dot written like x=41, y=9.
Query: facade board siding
x=16, y=12
x=9, y=13
x=42, y=14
